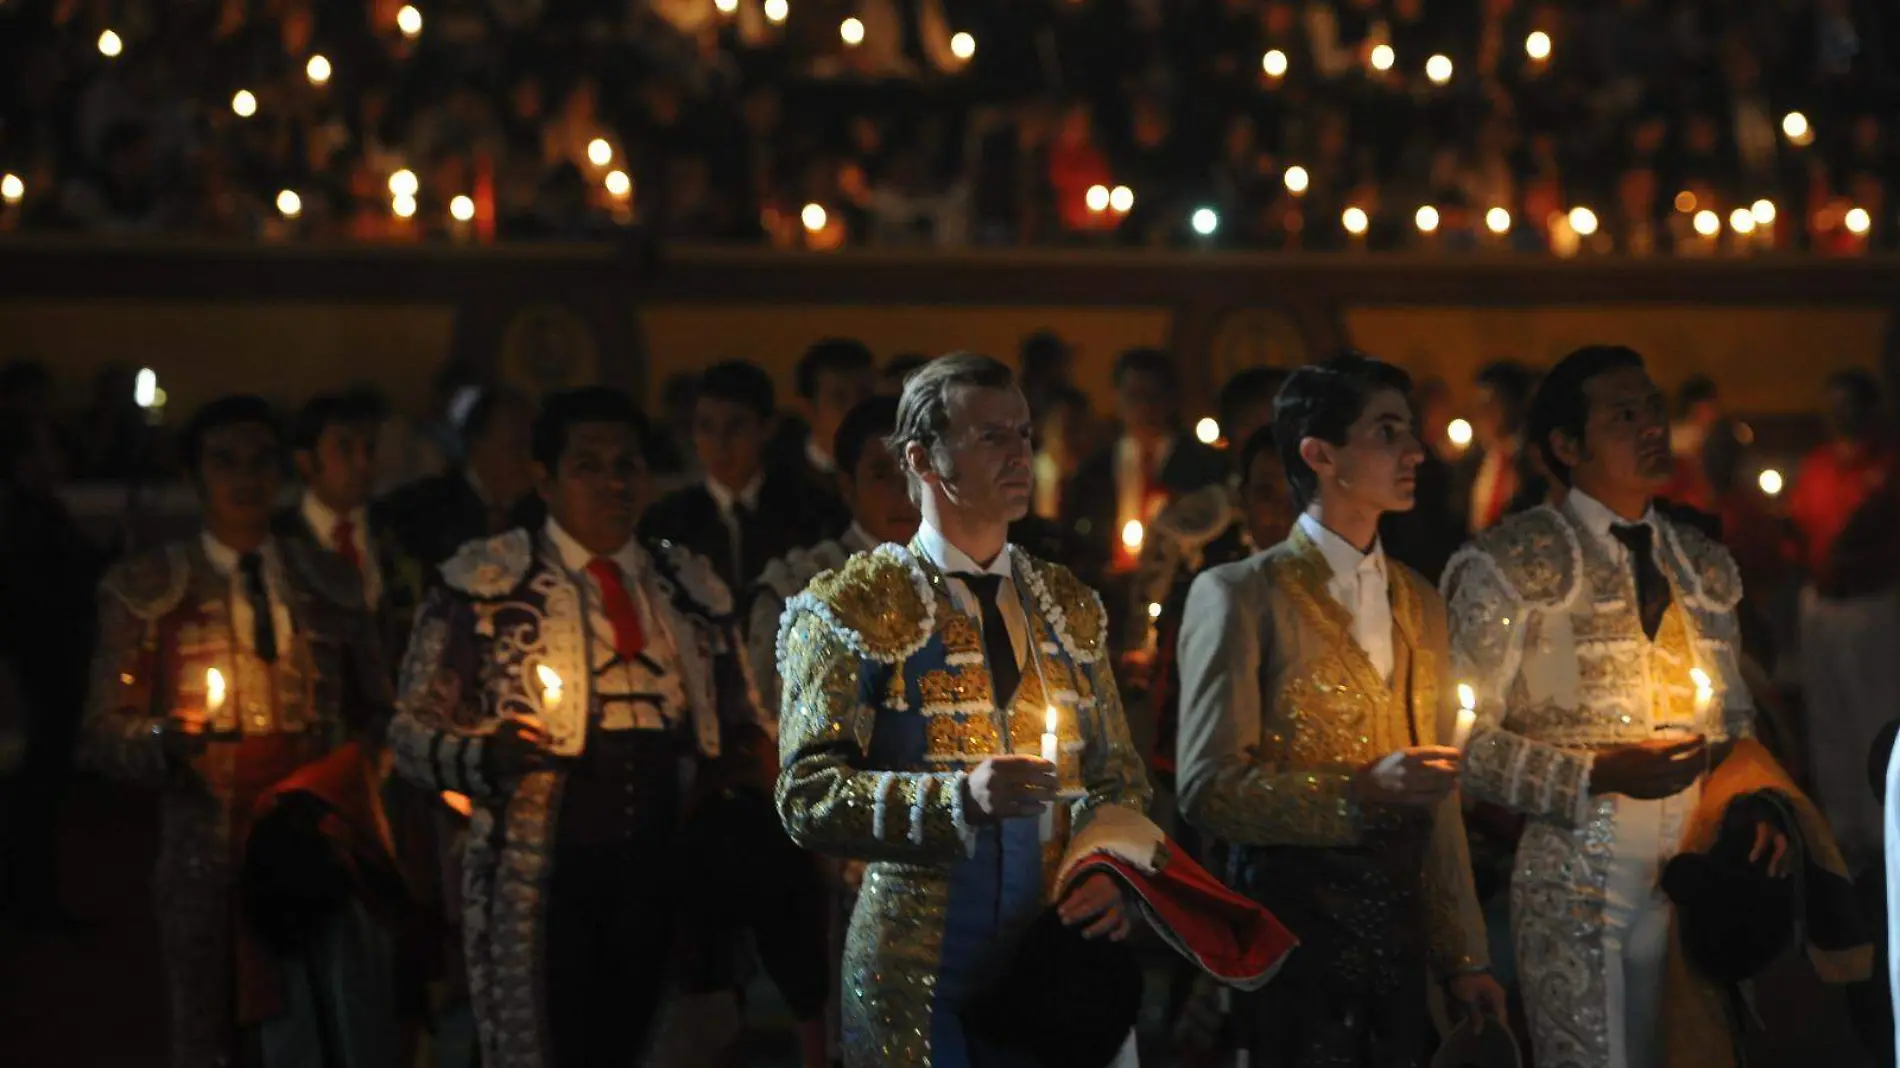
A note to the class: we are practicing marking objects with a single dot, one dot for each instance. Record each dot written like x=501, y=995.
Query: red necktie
x=344, y=537
x=629, y=637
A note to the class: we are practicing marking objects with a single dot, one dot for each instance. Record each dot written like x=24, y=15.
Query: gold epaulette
x=879, y=603
x=1072, y=608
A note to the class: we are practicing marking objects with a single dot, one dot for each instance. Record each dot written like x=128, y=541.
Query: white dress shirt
x=323, y=520
x=224, y=560
x=952, y=560
x=642, y=694
x=1359, y=583
x=1597, y=518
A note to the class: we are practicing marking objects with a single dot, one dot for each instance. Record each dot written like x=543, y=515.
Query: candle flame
x=550, y=679
x=1049, y=720
x=1132, y=535
x=1467, y=697
x=214, y=687
x=1701, y=679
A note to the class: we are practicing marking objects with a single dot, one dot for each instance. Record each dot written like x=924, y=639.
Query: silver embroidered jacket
x=507, y=607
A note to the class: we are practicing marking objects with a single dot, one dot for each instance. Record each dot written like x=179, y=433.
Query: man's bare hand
x=1650, y=771
x=1421, y=776
x=1098, y=898
x=518, y=746
x=1011, y=786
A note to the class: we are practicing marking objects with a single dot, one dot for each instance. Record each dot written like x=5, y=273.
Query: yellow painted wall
x=1767, y=360
x=284, y=350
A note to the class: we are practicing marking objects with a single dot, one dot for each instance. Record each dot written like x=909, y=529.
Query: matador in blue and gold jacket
x=887, y=706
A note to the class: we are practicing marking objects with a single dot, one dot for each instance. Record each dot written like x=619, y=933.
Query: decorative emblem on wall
x=548, y=347
x=1255, y=337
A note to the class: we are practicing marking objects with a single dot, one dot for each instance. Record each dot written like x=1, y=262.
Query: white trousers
x=1636, y=924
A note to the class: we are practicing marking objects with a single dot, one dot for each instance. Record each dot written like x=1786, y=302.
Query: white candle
x=550, y=687
x=1704, y=693
x=1467, y=716
x=1051, y=751
x=214, y=690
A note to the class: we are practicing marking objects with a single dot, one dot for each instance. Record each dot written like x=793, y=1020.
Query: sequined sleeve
x=436, y=733
x=1112, y=771
x=1502, y=765
x=119, y=737
x=1227, y=787
x=828, y=801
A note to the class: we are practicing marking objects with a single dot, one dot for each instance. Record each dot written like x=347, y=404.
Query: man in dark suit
x=1135, y=476
x=834, y=376
x=333, y=443
x=490, y=494
x=742, y=515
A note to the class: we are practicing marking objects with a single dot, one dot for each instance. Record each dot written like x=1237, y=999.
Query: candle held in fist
x=1467, y=716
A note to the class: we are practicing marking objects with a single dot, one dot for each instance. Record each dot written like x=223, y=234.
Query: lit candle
x=1132, y=535
x=550, y=687
x=1467, y=716
x=214, y=690
x=1051, y=751
x=1704, y=693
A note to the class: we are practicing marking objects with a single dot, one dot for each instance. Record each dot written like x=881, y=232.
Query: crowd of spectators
x=1693, y=127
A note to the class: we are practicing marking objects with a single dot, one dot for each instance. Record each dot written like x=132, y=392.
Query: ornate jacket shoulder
x=1073, y=609
x=698, y=589
x=1705, y=568
x=1534, y=554
x=788, y=574
x=1199, y=517
x=1421, y=589
x=326, y=573
x=489, y=568
x=151, y=583
x=879, y=603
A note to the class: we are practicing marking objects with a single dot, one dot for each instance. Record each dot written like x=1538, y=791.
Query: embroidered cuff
x=917, y=802
x=959, y=791
x=880, y=802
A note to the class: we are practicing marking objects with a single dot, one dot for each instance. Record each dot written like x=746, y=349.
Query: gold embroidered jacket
x=1280, y=707
x=887, y=706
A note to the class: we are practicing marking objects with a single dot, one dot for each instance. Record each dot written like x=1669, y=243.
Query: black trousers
x=1354, y=995
x=612, y=898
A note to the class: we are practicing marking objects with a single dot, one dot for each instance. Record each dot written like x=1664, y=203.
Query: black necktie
x=1005, y=672
x=263, y=634
x=1652, y=589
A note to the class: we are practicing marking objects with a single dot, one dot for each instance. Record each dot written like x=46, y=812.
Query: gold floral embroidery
x=955, y=687
x=961, y=635
x=874, y=596
x=962, y=736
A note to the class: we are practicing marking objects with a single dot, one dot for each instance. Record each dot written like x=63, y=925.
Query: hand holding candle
x=1467, y=716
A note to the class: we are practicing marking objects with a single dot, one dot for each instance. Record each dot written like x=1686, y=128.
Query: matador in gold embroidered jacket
x=1280, y=707
x=887, y=707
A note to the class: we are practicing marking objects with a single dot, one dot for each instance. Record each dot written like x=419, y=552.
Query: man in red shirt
x=1837, y=477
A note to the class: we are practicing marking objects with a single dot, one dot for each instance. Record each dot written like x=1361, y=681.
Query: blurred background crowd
x=1686, y=127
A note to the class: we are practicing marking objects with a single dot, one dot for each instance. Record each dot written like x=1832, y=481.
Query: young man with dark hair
x=746, y=512
x=1601, y=641
x=834, y=376
x=491, y=492
x=227, y=664
x=333, y=444
x=559, y=678
x=1313, y=722
x=1119, y=491
x=1504, y=392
